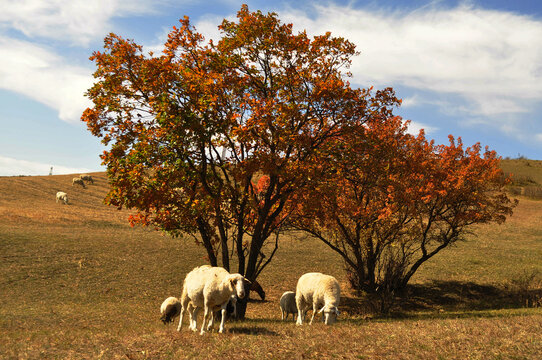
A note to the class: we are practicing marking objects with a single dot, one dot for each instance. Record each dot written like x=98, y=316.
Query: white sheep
x=210, y=288
x=78, y=181
x=317, y=290
x=62, y=196
x=288, y=305
x=170, y=309
x=192, y=279
x=87, y=177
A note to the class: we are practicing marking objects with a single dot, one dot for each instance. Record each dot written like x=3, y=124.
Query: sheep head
x=330, y=314
x=237, y=282
x=166, y=319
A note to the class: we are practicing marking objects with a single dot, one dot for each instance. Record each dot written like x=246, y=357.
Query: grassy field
x=78, y=282
x=526, y=177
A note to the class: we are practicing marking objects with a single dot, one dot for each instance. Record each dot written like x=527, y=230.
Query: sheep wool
x=288, y=305
x=210, y=288
x=318, y=291
x=86, y=177
x=170, y=309
x=78, y=181
x=62, y=196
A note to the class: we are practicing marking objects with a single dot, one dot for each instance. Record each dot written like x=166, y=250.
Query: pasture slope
x=77, y=282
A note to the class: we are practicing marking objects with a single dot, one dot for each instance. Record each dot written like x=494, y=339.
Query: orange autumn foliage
x=390, y=200
x=191, y=131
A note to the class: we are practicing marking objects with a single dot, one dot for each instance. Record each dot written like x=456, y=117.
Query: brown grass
x=78, y=282
x=526, y=177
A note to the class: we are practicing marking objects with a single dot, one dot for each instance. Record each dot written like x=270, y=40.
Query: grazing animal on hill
x=170, y=309
x=288, y=305
x=86, y=177
x=78, y=181
x=62, y=196
x=321, y=292
x=210, y=288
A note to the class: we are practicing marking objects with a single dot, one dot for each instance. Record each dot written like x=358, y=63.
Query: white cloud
x=208, y=27
x=37, y=71
x=42, y=75
x=14, y=167
x=76, y=21
x=415, y=127
x=491, y=59
x=411, y=101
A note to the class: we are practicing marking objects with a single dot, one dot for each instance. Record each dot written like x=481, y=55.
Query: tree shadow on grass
x=445, y=297
x=458, y=295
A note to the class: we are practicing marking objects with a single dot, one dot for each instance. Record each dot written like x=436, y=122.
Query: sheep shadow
x=252, y=330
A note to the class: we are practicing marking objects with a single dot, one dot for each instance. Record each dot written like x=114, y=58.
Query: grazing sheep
x=317, y=290
x=287, y=305
x=171, y=307
x=196, y=287
x=62, y=196
x=86, y=177
x=78, y=181
x=210, y=288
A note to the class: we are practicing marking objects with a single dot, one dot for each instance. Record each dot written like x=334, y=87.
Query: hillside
x=31, y=200
x=79, y=282
x=526, y=177
x=524, y=169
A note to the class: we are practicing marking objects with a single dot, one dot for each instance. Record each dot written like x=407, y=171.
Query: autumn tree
x=390, y=201
x=215, y=139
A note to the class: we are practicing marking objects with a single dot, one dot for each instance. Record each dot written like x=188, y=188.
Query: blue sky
x=468, y=68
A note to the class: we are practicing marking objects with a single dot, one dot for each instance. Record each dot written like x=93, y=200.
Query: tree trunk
x=242, y=304
x=207, y=242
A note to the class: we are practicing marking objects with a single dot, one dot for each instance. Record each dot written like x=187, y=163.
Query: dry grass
x=78, y=282
x=526, y=177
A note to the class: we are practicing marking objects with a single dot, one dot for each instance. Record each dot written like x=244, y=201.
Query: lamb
x=86, y=177
x=171, y=307
x=288, y=305
x=210, y=288
x=318, y=290
x=78, y=181
x=62, y=196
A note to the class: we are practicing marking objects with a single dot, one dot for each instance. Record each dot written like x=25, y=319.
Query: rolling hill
x=79, y=282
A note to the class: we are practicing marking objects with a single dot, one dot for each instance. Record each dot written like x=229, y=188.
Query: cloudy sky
x=468, y=68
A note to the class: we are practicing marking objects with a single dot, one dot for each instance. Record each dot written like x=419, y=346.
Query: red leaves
x=390, y=199
x=192, y=129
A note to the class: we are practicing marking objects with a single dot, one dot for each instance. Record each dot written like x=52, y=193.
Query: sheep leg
x=205, y=318
x=194, y=319
x=185, y=306
x=221, y=329
x=300, y=316
x=181, y=319
x=211, y=321
x=314, y=311
x=282, y=314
